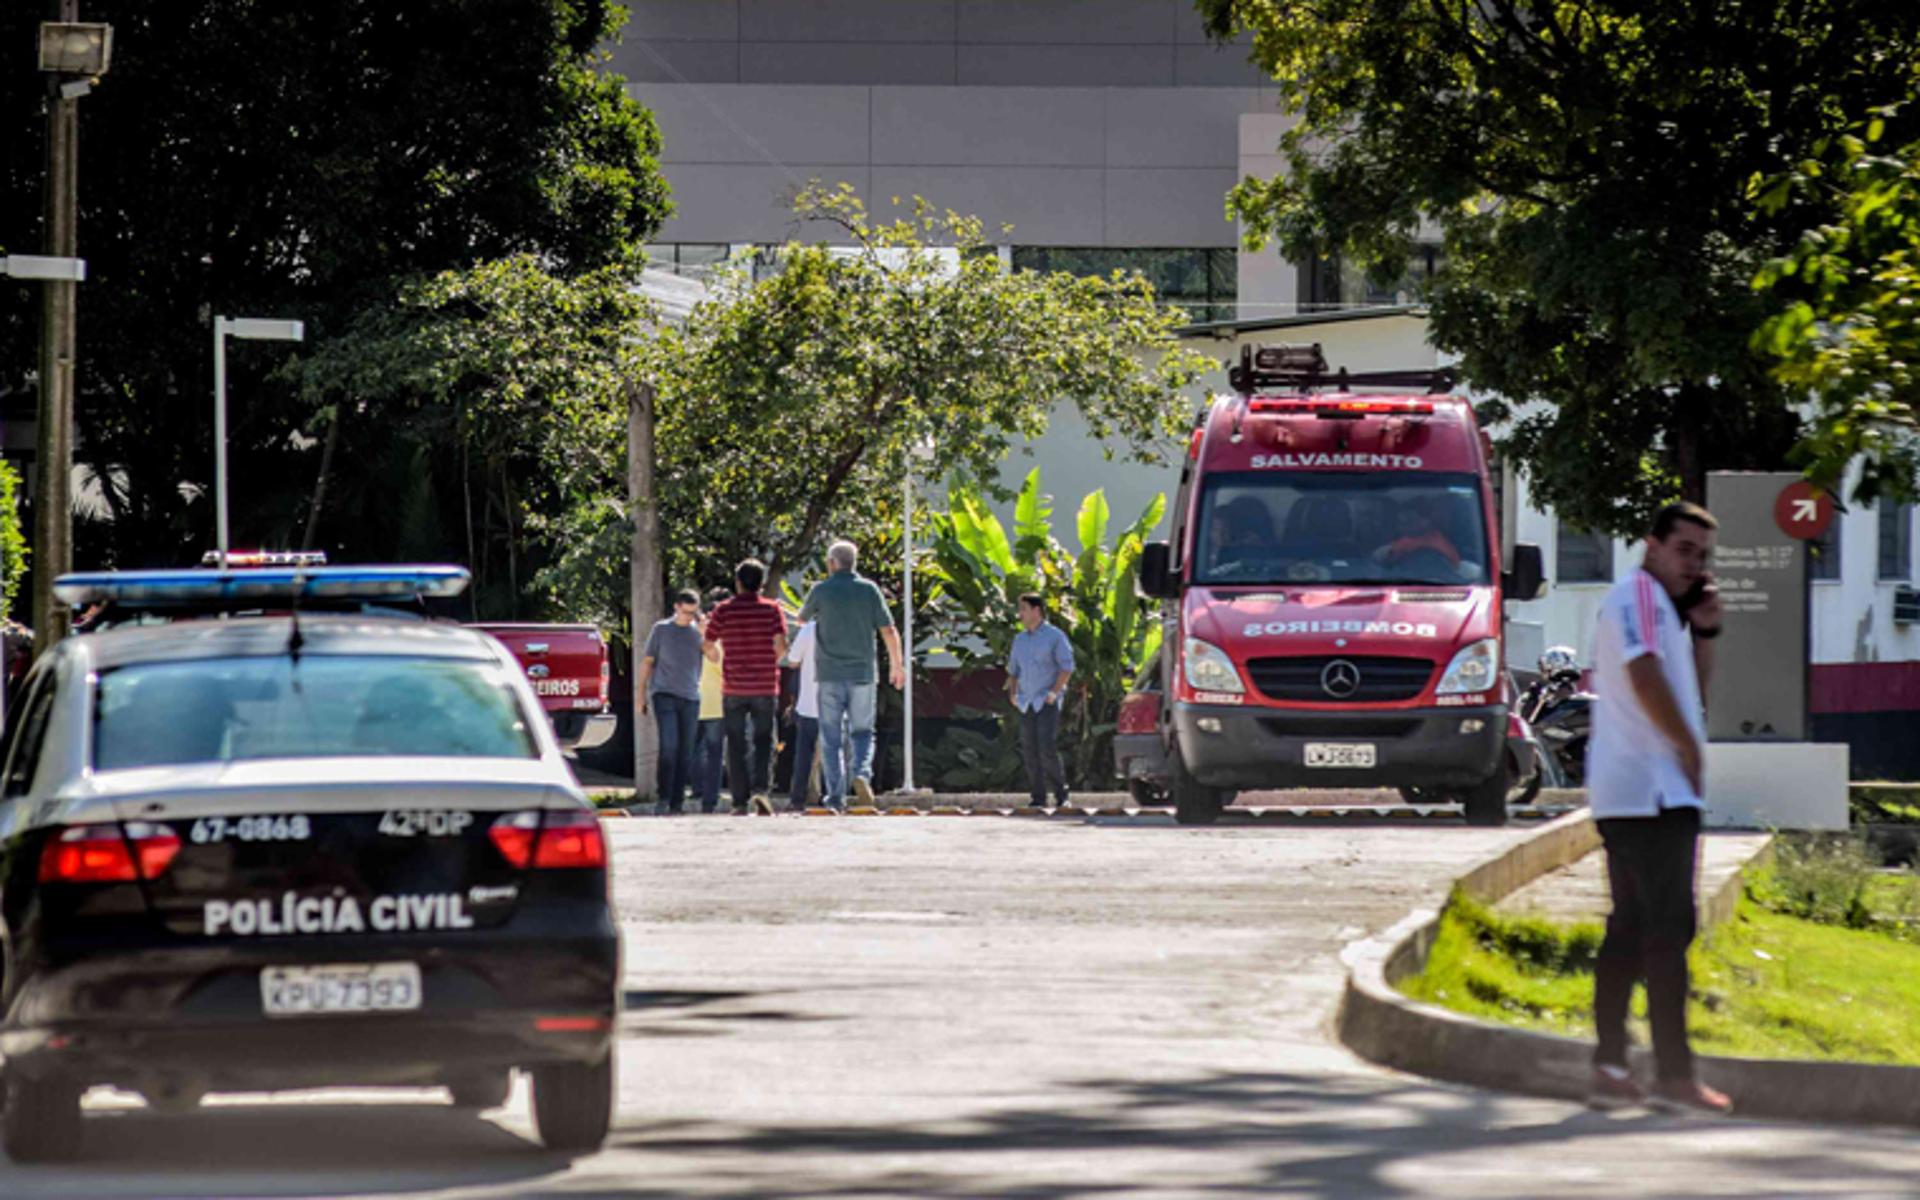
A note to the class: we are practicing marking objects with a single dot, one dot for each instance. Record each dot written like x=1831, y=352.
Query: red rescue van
x=1334, y=591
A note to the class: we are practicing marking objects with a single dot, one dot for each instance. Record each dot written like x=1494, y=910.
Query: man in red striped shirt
x=747, y=635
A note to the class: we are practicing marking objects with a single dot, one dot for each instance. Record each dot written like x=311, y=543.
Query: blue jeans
x=806, y=739
x=678, y=719
x=846, y=714
x=707, y=751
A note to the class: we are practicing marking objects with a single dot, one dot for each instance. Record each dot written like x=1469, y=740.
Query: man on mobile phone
x=1653, y=652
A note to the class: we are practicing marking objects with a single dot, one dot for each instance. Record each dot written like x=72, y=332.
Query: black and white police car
x=321, y=843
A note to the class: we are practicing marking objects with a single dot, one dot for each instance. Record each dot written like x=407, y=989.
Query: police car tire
x=1486, y=802
x=573, y=1104
x=480, y=1090
x=42, y=1121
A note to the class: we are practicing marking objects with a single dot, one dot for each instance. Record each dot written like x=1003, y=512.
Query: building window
x=687, y=258
x=1205, y=282
x=1823, y=553
x=1328, y=283
x=1896, y=541
x=1581, y=557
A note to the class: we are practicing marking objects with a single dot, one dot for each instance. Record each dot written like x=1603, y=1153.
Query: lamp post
x=922, y=452
x=252, y=329
x=73, y=56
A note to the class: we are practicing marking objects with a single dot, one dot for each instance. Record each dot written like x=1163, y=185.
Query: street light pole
x=72, y=56
x=252, y=329
x=220, y=439
x=906, y=633
x=53, y=449
x=921, y=451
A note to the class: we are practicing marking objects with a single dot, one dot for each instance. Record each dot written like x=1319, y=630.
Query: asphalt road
x=950, y=1007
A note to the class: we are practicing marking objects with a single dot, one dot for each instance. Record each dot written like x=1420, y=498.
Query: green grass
x=1765, y=985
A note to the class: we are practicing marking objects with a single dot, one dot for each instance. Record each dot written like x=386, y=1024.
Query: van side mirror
x=1526, y=575
x=1156, y=574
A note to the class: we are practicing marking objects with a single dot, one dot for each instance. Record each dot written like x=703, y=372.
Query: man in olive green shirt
x=848, y=610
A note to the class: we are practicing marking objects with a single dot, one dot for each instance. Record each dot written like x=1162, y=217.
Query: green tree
x=1588, y=166
x=1847, y=325
x=976, y=575
x=297, y=160
x=506, y=386
x=790, y=405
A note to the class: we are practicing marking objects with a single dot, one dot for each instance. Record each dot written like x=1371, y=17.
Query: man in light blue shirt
x=1038, y=669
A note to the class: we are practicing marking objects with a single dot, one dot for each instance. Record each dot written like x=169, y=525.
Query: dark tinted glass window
x=324, y=706
x=1582, y=557
x=1257, y=528
x=1203, y=281
x=1896, y=541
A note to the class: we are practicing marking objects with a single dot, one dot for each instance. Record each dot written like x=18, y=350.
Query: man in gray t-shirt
x=669, y=687
x=849, y=611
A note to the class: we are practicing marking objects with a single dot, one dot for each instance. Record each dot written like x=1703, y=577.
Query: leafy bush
x=967, y=760
x=13, y=541
x=977, y=573
x=1822, y=879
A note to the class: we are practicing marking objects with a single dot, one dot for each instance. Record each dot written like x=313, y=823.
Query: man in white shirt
x=806, y=716
x=1652, y=655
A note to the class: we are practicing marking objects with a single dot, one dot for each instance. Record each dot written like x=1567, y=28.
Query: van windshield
x=324, y=706
x=1260, y=528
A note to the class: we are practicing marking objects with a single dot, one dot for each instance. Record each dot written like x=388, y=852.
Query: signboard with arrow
x=1758, y=691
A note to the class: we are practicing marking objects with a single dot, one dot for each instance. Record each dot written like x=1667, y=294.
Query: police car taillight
x=103, y=854
x=563, y=840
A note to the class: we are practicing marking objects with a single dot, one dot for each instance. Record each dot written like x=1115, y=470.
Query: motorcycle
x=1560, y=714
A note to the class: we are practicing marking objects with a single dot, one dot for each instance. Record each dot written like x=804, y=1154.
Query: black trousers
x=749, y=716
x=1650, y=869
x=1040, y=748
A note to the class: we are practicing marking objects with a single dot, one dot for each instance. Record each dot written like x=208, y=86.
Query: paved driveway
x=993, y=1007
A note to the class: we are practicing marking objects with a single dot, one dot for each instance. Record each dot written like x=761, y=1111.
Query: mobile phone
x=1690, y=598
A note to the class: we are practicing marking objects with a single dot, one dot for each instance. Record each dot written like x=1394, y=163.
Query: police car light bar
x=266, y=558
x=259, y=584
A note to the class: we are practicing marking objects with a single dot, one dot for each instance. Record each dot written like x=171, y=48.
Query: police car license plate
x=1340, y=754
x=340, y=988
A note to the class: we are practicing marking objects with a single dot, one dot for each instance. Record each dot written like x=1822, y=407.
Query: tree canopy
x=1848, y=327
x=1590, y=168
x=790, y=406
x=300, y=160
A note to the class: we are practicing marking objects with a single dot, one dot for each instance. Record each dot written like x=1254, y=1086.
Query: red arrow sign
x=1803, y=511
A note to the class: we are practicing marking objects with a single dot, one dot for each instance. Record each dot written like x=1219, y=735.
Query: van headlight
x=1474, y=669
x=1209, y=669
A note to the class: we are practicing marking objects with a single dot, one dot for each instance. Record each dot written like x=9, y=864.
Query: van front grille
x=1374, y=678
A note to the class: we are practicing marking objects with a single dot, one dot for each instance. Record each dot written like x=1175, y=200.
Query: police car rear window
x=320, y=706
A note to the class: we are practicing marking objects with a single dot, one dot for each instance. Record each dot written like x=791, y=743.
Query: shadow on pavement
x=288, y=1149
x=1303, y=1136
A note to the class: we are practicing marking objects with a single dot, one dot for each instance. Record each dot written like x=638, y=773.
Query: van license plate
x=340, y=988
x=1340, y=754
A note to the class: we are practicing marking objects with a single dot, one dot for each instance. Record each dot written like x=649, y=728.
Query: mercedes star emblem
x=1340, y=679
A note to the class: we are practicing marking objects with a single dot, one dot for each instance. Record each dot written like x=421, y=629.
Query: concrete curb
x=1383, y=1025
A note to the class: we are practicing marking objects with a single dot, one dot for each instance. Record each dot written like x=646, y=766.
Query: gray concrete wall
x=1078, y=122
x=965, y=43
x=1065, y=166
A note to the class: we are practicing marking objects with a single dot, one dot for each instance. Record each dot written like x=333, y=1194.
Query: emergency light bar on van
x=1296, y=368
x=1336, y=410
x=199, y=588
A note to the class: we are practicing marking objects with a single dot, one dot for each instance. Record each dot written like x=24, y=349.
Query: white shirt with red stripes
x=1632, y=769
